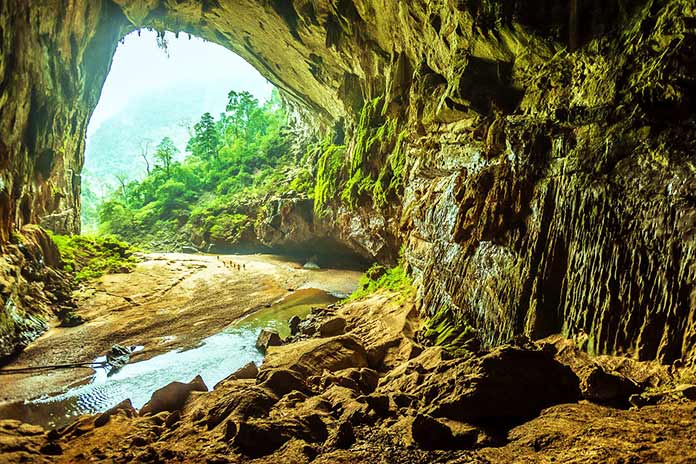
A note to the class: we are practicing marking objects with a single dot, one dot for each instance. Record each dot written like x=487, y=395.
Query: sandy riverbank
x=170, y=301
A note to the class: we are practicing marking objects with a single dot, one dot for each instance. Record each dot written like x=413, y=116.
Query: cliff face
x=544, y=157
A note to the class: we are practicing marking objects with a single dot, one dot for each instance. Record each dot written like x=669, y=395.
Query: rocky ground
x=169, y=301
x=352, y=386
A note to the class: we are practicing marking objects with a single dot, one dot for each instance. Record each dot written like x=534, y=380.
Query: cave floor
x=169, y=301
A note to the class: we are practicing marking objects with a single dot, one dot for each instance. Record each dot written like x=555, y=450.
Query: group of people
x=231, y=265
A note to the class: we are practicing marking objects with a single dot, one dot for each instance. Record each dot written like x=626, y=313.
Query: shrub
x=89, y=257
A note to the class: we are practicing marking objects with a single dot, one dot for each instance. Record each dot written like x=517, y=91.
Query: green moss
x=329, y=175
x=452, y=333
x=378, y=160
x=379, y=278
x=89, y=257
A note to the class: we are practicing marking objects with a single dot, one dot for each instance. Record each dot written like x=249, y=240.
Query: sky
x=139, y=65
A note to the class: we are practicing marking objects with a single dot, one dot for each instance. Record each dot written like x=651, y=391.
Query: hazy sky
x=139, y=65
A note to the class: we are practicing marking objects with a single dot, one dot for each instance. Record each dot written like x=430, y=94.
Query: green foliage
x=206, y=138
x=89, y=257
x=213, y=193
x=165, y=153
x=379, y=278
x=227, y=228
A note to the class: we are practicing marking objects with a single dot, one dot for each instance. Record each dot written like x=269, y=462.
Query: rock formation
x=535, y=157
x=344, y=399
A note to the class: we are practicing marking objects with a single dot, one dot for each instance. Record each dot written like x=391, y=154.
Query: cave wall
x=550, y=146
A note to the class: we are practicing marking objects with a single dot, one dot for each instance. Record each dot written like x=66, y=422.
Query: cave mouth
x=158, y=86
x=186, y=146
x=160, y=89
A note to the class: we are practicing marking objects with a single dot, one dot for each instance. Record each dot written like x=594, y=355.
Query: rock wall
x=549, y=144
x=575, y=213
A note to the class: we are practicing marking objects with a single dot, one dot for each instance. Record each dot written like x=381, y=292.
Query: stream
x=214, y=358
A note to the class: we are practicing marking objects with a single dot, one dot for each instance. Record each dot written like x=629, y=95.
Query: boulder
x=241, y=401
x=431, y=434
x=506, y=386
x=342, y=437
x=332, y=327
x=682, y=392
x=314, y=356
x=509, y=384
x=172, y=397
x=247, y=372
x=266, y=339
x=294, y=324
x=125, y=407
x=601, y=386
x=118, y=356
x=260, y=437
x=281, y=381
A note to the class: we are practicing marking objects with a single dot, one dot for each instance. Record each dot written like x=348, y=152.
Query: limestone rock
x=172, y=397
x=294, y=324
x=125, y=407
x=332, y=327
x=431, y=433
x=266, y=339
x=281, y=381
x=313, y=356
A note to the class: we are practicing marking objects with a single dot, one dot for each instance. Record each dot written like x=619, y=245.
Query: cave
x=546, y=181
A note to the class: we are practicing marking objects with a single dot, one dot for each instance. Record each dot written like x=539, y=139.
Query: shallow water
x=214, y=359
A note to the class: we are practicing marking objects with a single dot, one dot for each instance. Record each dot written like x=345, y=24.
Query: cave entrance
x=190, y=149
x=162, y=90
x=158, y=89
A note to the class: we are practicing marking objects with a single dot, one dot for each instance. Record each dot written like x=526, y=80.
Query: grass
x=89, y=257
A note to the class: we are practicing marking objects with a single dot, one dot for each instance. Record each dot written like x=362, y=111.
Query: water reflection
x=214, y=359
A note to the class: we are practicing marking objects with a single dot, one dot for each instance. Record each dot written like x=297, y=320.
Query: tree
x=206, y=138
x=242, y=107
x=165, y=153
x=144, y=151
x=123, y=182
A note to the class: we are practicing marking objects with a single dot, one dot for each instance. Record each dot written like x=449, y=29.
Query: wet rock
x=125, y=407
x=332, y=327
x=189, y=249
x=172, y=397
x=266, y=339
x=117, y=357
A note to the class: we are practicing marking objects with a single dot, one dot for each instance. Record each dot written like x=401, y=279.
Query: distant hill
x=114, y=147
